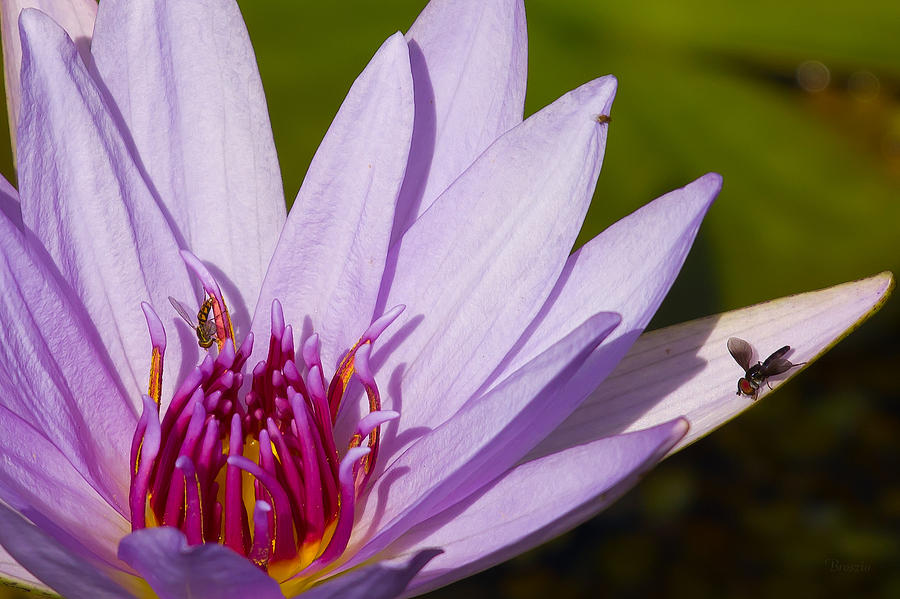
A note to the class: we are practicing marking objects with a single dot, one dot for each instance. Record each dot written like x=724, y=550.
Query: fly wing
x=182, y=311
x=741, y=351
x=209, y=329
x=776, y=365
x=776, y=356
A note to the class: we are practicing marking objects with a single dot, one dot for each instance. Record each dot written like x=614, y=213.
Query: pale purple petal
x=38, y=481
x=533, y=503
x=484, y=439
x=479, y=264
x=385, y=580
x=13, y=574
x=9, y=203
x=628, y=269
x=184, y=80
x=686, y=370
x=54, y=372
x=85, y=199
x=177, y=571
x=469, y=64
x=75, y=16
x=67, y=573
x=328, y=263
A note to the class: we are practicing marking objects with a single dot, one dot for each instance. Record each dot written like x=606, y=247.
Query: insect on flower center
x=255, y=466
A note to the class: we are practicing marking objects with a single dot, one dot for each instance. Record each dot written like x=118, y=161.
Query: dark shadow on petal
x=418, y=166
x=383, y=491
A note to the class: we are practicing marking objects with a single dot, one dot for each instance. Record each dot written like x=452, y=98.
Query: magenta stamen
x=277, y=326
x=193, y=517
x=373, y=420
x=361, y=363
x=378, y=327
x=287, y=344
x=262, y=538
x=293, y=377
x=209, y=452
x=345, y=520
x=285, y=546
x=246, y=348
x=310, y=353
x=266, y=457
x=174, y=427
x=175, y=500
x=236, y=527
x=312, y=493
x=216, y=524
x=302, y=486
x=226, y=357
x=155, y=326
x=210, y=285
x=148, y=449
x=292, y=477
x=319, y=400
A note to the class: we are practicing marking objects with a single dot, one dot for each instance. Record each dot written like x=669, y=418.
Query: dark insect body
x=759, y=373
x=204, y=327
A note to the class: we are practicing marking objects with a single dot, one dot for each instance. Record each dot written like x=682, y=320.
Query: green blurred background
x=798, y=106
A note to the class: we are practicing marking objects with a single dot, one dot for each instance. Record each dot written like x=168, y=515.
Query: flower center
x=255, y=466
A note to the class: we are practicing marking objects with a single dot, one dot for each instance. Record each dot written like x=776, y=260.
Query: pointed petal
x=55, y=565
x=38, y=481
x=685, y=370
x=470, y=88
x=75, y=16
x=176, y=571
x=628, y=268
x=535, y=502
x=86, y=201
x=477, y=267
x=383, y=580
x=184, y=79
x=485, y=438
x=331, y=254
x=55, y=372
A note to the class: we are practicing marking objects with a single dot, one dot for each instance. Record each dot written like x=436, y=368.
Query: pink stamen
x=275, y=441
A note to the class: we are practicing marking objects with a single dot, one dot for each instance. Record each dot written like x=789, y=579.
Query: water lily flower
x=404, y=381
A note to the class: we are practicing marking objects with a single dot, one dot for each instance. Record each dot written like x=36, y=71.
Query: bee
x=759, y=373
x=204, y=327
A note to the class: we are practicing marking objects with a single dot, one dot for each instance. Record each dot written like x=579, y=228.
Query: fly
x=204, y=326
x=759, y=373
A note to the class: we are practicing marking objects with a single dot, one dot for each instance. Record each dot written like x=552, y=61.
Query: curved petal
x=470, y=88
x=328, y=263
x=384, y=580
x=37, y=480
x=533, y=503
x=685, y=370
x=183, y=76
x=75, y=16
x=54, y=373
x=479, y=443
x=86, y=201
x=628, y=268
x=178, y=571
x=55, y=565
x=479, y=264
x=14, y=575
